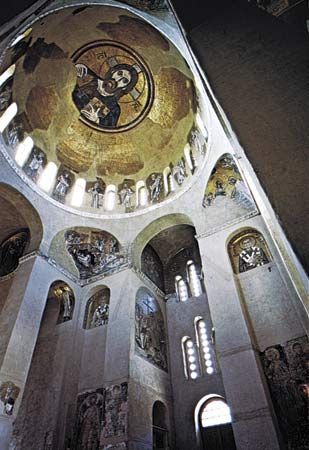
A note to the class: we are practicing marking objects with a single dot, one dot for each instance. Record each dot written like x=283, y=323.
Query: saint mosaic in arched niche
x=150, y=337
x=248, y=250
x=114, y=89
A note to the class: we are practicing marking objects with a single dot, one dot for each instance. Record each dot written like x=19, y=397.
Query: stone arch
x=152, y=230
x=227, y=433
x=19, y=214
x=170, y=245
x=87, y=252
x=160, y=425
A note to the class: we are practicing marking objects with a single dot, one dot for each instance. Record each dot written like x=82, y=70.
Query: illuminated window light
x=78, y=192
x=190, y=351
x=166, y=173
x=191, y=359
x=189, y=344
x=8, y=116
x=143, y=196
x=20, y=37
x=110, y=197
x=181, y=289
x=8, y=73
x=210, y=370
x=23, y=151
x=216, y=412
x=143, y=199
x=208, y=363
x=192, y=367
x=200, y=125
x=47, y=178
x=193, y=375
x=188, y=156
x=194, y=281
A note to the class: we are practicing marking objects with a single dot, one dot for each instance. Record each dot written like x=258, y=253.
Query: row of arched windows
x=192, y=286
x=198, y=354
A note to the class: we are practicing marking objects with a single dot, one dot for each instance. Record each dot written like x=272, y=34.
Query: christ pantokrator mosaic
x=114, y=89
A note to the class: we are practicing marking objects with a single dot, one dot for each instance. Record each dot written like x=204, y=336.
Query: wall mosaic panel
x=115, y=411
x=89, y=418
x=152, y=266
x=94, y=252
x=248, y=250
x=101, y=415
x=150, y=336
x=11, y=249
x=227, y=197
x=286, y=367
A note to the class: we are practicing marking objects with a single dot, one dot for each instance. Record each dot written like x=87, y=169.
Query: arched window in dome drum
x=141, y=194
x=23, y=151
x=8, y=116
x=110, y=197
x=20, y=37
x=7, y=74
x=47, y=178
x=78, y=192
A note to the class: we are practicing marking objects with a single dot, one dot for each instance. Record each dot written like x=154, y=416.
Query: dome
x=106, y=110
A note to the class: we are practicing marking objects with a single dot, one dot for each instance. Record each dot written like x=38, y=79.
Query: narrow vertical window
x=205, y=346
x=8, y=116
x=48, y=177
x=194, y=279
x=8, y=73
x=181, y=289
x=78, y=192
x=110, y=197
x=190, y=358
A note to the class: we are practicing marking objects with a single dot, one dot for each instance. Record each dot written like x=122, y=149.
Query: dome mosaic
x=103, y=110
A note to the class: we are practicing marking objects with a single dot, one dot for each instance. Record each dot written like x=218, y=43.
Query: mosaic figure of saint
x=100, y=316
x=35, y=165
x=96, y=195
x=125, y=196
x=89, y=424
x=98, y=99
x=251, y=256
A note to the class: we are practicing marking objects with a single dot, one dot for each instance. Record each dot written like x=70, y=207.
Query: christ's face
x=117, y=81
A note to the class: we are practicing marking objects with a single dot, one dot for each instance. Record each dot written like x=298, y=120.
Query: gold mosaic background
x=44, y=97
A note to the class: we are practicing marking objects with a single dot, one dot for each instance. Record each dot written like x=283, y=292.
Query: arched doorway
x=159, y=427
x=214, y=424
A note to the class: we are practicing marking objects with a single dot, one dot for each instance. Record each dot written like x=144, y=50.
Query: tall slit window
x=205, y=346
x=193, y=279
x=190, y=358
x=181, y=289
